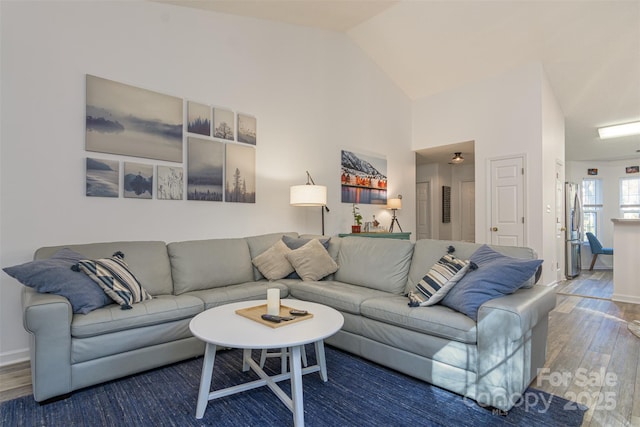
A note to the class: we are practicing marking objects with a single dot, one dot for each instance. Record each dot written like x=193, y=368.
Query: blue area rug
x=358, y=393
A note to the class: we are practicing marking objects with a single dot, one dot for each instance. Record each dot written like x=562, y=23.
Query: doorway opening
x=436, y=169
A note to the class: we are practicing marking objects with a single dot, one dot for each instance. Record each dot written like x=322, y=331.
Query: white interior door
x=468, y=211
x=507, y=202
x=423, y=216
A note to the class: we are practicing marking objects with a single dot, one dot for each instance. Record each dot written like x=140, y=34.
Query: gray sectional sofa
x=491, y=361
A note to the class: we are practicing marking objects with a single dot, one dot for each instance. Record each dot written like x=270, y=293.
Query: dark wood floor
x=592, y=358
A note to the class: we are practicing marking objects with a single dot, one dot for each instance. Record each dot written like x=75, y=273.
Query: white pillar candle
x=273, y=302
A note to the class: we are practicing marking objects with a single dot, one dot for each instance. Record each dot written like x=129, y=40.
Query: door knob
x=563, y=229
x=494, y=228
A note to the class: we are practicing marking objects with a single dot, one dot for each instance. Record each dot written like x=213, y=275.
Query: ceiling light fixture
x=619, y=130
x=457, y=158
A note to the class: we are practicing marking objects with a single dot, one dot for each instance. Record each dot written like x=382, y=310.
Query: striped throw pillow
x=438, y=281
x=115, y=279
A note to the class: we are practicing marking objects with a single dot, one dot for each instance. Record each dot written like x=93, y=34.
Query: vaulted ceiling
x=590, y=50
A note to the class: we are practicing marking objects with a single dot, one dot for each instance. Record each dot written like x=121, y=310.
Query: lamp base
x=394, y=220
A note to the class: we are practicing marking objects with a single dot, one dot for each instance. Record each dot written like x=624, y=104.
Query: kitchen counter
x=626, y=268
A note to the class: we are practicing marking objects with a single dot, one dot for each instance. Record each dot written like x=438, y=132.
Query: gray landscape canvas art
x=204, y=169
x=138, y=180
x=123, y=119
x=223, y=124
x=247, y=129
x=198, y=118
x=102, y=178
x=241, y=174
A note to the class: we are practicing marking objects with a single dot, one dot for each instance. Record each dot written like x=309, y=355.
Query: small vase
x=355, y=228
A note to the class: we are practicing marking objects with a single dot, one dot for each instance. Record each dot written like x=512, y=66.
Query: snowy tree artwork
x=170, y=183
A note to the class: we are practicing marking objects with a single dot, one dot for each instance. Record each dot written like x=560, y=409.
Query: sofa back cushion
x=148, y=261
x=205, y=264
x=381, y=264
x=427, y=252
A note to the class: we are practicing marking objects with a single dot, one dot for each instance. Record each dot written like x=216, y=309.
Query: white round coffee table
x=222, y=327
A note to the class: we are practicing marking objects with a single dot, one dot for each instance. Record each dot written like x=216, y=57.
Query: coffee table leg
x=296, y=387
x=205, y=379
x=246, y=355
x=321, y=360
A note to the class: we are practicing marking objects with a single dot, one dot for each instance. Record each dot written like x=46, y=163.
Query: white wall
x=610, y=173
x=313, y=93
x=552, y=158
x=504, y=116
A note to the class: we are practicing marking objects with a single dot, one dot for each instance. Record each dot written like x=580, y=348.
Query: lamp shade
x=308, y=195
x=394, y=203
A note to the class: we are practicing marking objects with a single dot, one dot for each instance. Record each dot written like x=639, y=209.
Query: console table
x=401, y=236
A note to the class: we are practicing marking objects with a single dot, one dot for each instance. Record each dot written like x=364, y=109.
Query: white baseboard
x=633, y=299
x=12, y=357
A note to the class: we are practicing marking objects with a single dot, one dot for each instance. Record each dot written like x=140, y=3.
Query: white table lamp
x=394, y=205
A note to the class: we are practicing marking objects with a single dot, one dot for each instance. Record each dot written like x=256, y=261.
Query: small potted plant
x=357, y=219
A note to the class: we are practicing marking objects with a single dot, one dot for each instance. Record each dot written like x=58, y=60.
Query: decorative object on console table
x=309, y=194
x=379, y=235
x=394, y=205
x=357, y=218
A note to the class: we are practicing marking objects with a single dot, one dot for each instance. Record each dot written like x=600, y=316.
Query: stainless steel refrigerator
x=573, y=232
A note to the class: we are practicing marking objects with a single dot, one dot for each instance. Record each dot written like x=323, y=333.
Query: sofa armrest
x=512, y=338
x=523, y=309
x=47, y=318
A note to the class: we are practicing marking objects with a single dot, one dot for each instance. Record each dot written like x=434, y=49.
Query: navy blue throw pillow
x=497, y=275
x=54, y=276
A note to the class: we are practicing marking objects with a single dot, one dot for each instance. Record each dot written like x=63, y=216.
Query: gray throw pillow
x=298, y=242
x=273, y=263
x=312, y=261
x=54, y=276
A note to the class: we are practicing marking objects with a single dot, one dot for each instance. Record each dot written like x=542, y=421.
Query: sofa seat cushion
x=241, y=292
x=160, y=309
x=89, y=349
x=433, y=320
x=453, y=354
x=341, y=296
